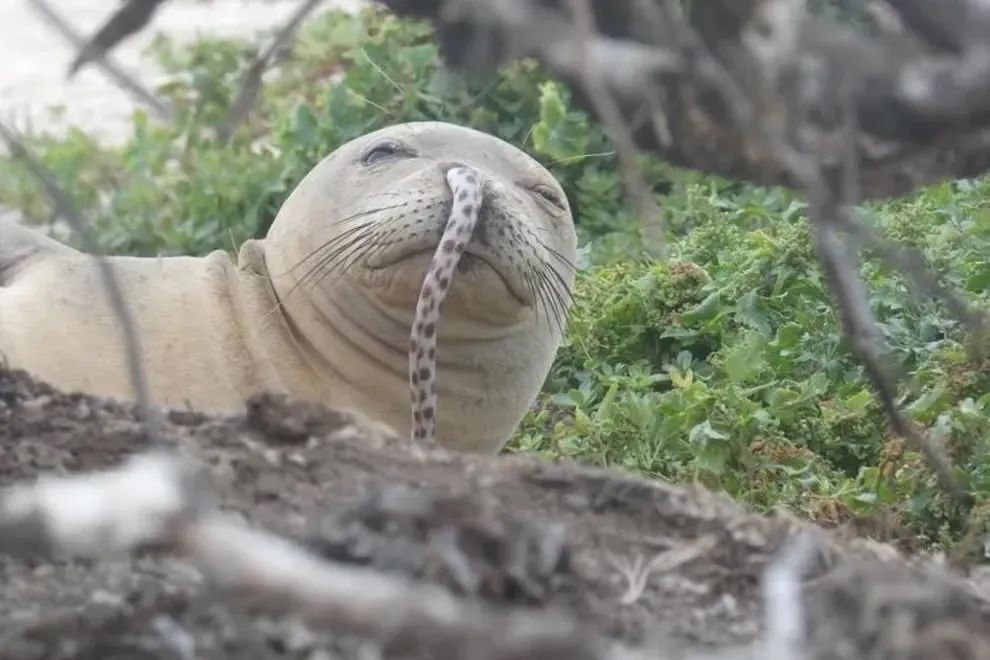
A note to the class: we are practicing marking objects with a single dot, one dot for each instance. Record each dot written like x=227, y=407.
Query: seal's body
x=322, y=307
x=197, y=320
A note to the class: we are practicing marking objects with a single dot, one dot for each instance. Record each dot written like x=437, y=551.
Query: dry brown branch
x=123, y=23
x=124, y=80
x=251, y=83
x=842, y=273
x=911, y=262
x=777, y=131
x=593, y=80
x=918, y=108
x=827, y=203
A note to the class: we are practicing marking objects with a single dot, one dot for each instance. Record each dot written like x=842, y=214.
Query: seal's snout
x=447, y=166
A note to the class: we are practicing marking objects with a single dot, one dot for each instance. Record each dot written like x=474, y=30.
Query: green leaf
x=703, y=432
x=789, y=335
x=750, y=311
x=559, y=134
x=706, y=310
x=606, y=407
x=858, y=402
x=304, y=124
x=926, y=407
x=745, y=360
x=979, y=281
x=713, y=453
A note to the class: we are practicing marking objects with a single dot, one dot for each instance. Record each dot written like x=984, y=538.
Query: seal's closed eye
x=549, y=194
x=385, y=149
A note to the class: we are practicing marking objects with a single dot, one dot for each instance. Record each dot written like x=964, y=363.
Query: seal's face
x=380, y=218
x=348, y=254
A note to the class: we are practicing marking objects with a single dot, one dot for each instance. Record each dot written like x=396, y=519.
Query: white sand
x=36, y=57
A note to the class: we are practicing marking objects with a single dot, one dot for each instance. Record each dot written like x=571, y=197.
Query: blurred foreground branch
x=132, y=16
x=251, y=82
x=680, y=78
x=156, y=502
x=95, y=51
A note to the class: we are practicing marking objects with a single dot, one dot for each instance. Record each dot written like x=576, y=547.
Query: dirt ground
x=509, y=530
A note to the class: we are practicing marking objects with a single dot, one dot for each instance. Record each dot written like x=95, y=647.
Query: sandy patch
x=32, y=80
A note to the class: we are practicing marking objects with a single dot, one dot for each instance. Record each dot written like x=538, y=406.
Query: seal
x=323, y=308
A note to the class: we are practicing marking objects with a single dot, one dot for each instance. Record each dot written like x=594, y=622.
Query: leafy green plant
x=724, y=366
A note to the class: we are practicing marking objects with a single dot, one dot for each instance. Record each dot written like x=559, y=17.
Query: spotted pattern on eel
x=465, y=187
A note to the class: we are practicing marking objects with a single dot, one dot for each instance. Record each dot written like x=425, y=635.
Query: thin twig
x=123, y=23
x=912, y=263
x=860, y=328
x=64, y=207
x=632, y=177
x=118, y=75
x=251, y=83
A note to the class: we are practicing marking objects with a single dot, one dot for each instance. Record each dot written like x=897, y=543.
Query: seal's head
x=349, y=249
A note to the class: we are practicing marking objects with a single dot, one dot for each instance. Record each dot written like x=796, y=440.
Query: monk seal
x=321, y=308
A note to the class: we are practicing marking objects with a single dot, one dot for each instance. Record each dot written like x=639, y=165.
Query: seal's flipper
x=20, y=245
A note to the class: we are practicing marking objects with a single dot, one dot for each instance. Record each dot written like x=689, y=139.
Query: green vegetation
x=721, y=363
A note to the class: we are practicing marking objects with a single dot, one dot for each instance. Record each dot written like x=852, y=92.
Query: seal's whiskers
x=465, y=188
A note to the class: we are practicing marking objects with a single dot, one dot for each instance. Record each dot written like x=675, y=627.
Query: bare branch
x=126, y=21
x=781, y=138
x=251, y=83
x=859, y=325
x=923, y=112
x=118, y=75
x=911, y=262
x=65, y=208
x=592, y=80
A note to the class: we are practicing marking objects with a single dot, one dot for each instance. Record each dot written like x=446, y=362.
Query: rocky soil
x=510, y=531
